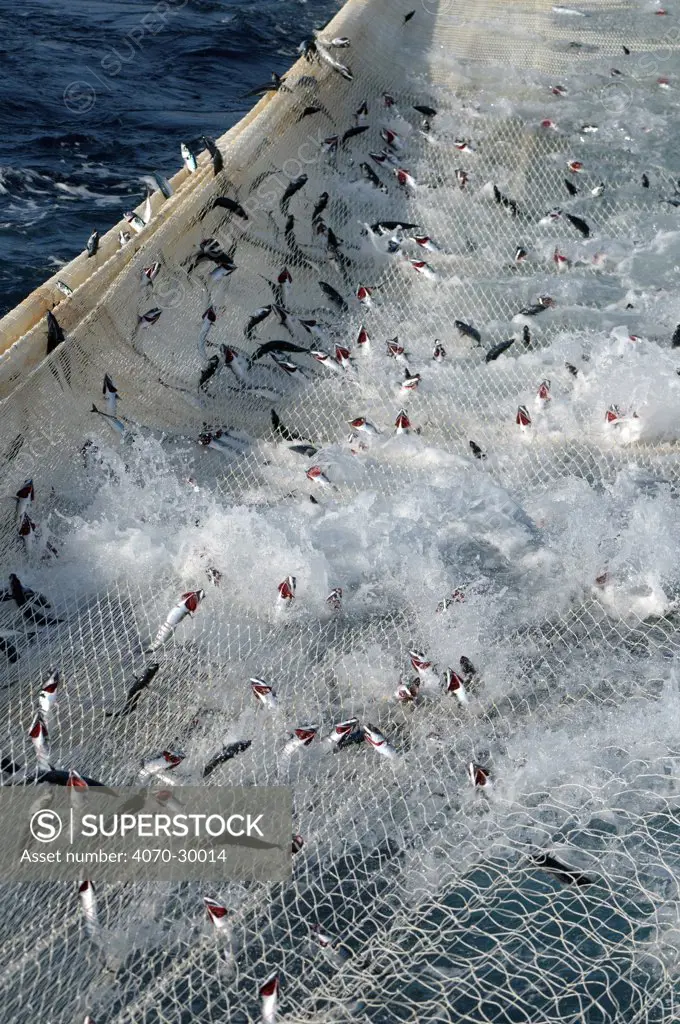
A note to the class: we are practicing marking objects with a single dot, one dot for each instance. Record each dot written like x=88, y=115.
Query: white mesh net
x=554, y=556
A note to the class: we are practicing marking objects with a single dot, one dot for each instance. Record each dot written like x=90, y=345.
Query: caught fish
x=523, y=419
x=479, y=776
x=566, y=875
x=235, y=362
x=208, y=318
x=579, y=224
x=352, y=133
x=135, y=691
x=92, y=244
x=370, y=176
x=334, y=599
x=224, y=755
x=188, y=158
x=544, y=302
x=135, y=222
x=455, y=685
x=335, y=297
x=498, y=350
x=375, y=739
x=218, y=915
x=64, y=289
x=110, y=395
x=27, y=532
x=424, y=269
x=575, y=166
x=150, y=317
x=163, y=184
x=257, y=318
x=317, y=476
x=476, y=450
x=391, y=139
x=402, y=424
x=362, y=424
x=166, y=761
x=55, y=335
x=410, y=382
x=467, y=668
x=439, y=352
x=570, y=187
x=47, y=698
x=25, y=497
x=425, y=242
x=286, y=364
x=345, y=733
x=468, y=331
x=151, y=272
x=330, y=147
x=123, y=238
x=276, y=347
x=405, y=179
x=264, y=693
x=364, y=296
x=88, y=906
x=275, y=85
x=287, y=591
x=543, y=394
x=186, y=606
x=363, y=340
x=116, y=425
x=225, y=203
x=325, y=360
x=269, y=994
x=503, y=200
x=341, y=69
x=215, y=155
x=294, y=187
x=396, y=351
x=425, y=669
x=457, y=597
x=407, y=693
x=302, y=737
x=40, y=740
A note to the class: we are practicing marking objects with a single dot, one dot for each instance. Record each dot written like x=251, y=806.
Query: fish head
x=305, y=734
x=76, y=781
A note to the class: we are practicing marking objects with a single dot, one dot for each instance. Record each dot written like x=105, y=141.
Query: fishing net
x=549, y=561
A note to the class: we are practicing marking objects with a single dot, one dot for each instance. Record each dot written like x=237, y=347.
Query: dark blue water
x=97, y=93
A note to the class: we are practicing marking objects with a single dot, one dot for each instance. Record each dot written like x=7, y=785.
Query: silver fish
x=47, y=698
x=264, y=693
x=188, y=158
x=40, y=740
x=375, y=739
x=117, y=425
x=88, y=906
x=186, y=606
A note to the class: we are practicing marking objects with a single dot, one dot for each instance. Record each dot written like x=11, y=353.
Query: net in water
x=396, y=387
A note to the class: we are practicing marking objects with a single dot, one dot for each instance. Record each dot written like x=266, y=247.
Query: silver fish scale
x=427, y=883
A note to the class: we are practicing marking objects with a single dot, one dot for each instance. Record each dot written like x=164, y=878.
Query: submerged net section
x=546, y=555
